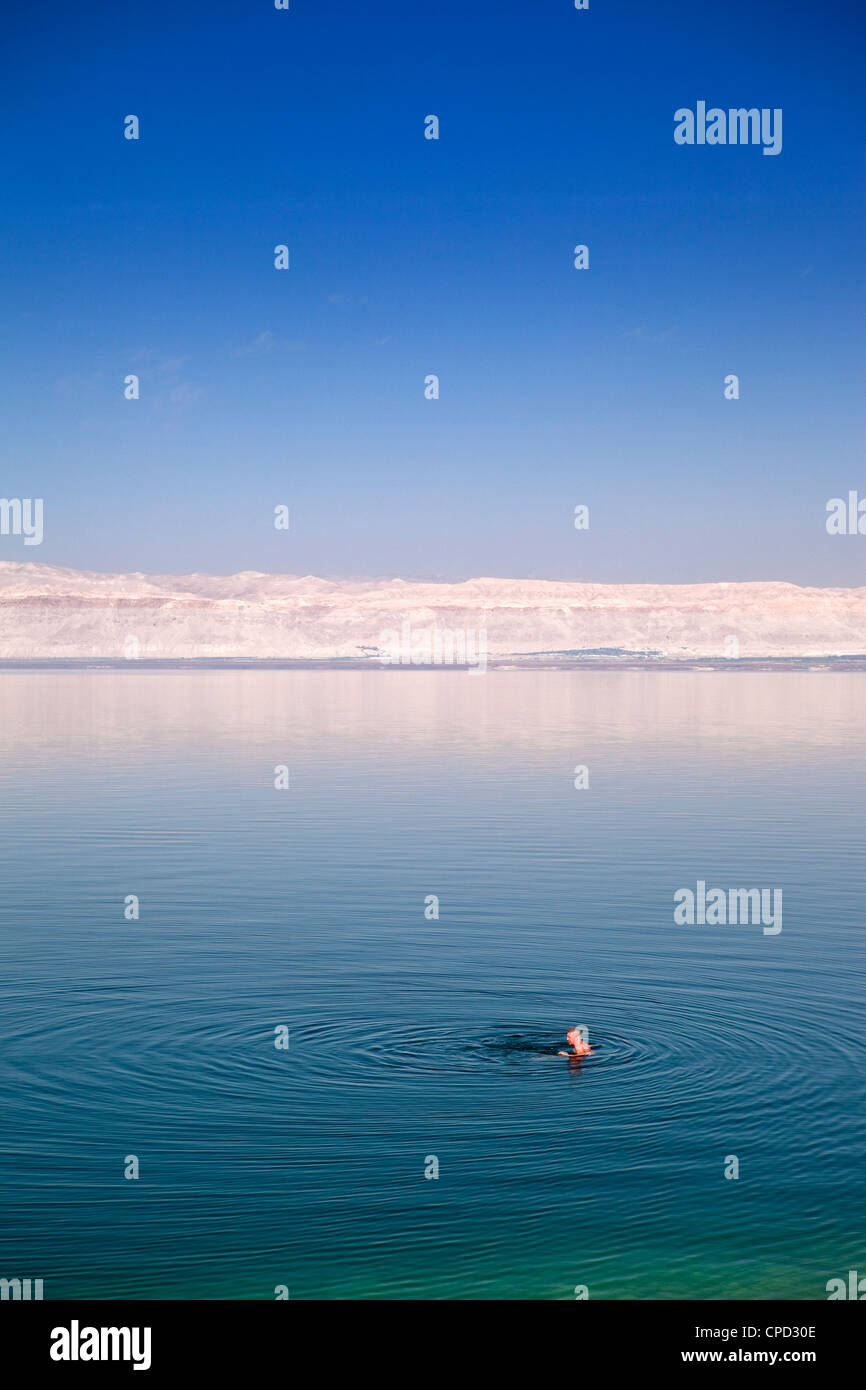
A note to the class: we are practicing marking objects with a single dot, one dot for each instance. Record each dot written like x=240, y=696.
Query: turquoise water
x=411, y=1038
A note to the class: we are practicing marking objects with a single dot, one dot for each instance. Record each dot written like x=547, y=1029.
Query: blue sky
x=454, y=257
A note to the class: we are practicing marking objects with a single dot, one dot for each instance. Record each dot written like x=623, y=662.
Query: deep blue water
x=412, y=1038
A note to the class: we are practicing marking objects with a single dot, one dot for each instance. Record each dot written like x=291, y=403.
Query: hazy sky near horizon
x=558, y=387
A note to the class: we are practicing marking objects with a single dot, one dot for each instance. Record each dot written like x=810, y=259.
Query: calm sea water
x=410, y=1037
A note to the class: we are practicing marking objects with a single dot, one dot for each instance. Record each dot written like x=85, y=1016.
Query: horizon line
x=408, y=579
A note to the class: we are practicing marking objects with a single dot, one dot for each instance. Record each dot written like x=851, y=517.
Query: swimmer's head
x=576, y=1037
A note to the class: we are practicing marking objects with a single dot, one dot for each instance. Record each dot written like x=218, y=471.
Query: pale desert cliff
x=48, y=612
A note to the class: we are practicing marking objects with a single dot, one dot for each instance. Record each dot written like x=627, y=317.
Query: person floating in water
x=578, y=1042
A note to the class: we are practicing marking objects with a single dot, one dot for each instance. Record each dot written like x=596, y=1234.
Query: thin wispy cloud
x=265, y=342
x=185, y=394
x=645, y=335
x=150, y=363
